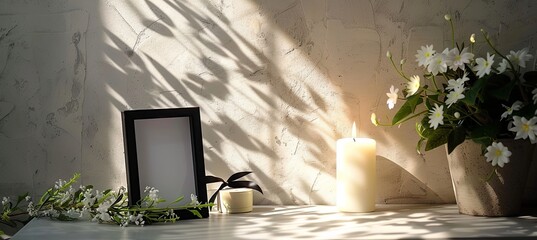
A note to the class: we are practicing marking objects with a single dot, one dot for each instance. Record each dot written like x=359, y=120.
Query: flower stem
x=413, y=116
x=452, y=33
x=434, y=82
x=399, y=72
x=515, y=72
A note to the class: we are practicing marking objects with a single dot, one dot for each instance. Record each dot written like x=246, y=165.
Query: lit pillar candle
x=356, y=174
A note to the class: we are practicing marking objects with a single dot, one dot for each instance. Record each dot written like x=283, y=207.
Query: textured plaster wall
x=278, y=82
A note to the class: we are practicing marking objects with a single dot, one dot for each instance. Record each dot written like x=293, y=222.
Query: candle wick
x=354, y=139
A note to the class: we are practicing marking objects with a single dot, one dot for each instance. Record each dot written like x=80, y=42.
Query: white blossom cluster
x=455, y=65
x=63, y=202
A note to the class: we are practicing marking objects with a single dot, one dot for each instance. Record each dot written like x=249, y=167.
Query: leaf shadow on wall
x=213, y=86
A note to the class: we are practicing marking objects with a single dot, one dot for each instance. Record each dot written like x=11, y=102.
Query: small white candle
x=356, y=174
x=235, y=200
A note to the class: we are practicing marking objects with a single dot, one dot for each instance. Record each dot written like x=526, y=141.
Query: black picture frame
x=164, y=149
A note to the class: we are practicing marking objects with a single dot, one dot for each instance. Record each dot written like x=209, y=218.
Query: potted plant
x=483, y=106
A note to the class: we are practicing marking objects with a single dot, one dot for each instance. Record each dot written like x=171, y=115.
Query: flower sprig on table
x=484, y=99
x=66, y=203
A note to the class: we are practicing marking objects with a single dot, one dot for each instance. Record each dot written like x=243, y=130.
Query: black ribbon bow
x=232, y=183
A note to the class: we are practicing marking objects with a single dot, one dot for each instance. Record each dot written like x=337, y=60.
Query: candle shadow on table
x=397, y=186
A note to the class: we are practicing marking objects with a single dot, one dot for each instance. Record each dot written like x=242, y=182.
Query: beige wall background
x=278, y=82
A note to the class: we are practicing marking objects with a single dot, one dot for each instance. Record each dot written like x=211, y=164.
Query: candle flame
x=353, y=129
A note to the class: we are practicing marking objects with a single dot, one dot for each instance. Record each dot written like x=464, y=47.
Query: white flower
x=392, y=97
x=520, y=57
x=457, y=115
x=104, y=206
x=459, y=83
x=194, y=199
x=5, y=200
x=98, y=194
x=153, y=193
x=498, y=154
x=88, y=200
x=59, y=184
x=104, y=216
x=171, y=213
x=483, y=66
x=102, y=211
x=447, y=17
x=534, y=92
x=502, y=66
x=31, y=210
x=516, y=106
x=437, y=64
x=524, y=128
x=456, y=60
x=28, y=198
x=67, y=195
x=454, y=96
x=51, y=212
x=85, y=213
x=436, y=116
x=412, y=86
x=388, y=54
x=139, y=219
x=72, y=213
x=424, y=55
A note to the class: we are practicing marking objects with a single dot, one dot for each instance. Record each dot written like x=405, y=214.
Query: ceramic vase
x=484, y=190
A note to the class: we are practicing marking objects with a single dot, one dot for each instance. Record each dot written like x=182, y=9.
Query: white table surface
x=302, y=222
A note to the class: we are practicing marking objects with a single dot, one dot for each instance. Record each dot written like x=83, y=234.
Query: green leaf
x=177, y=200
x=531, y=77
x=78, y=195
x=407, y=108
x=485, y=131
x=456, y=137
x=484, y=141
x=119, y=197
x=195, y=212
x=421, y=130
x=116, y=219
x=498, y=80
x=437, y=138
x=503, y=92
x=527, y=111
x=20, y=198
x=471, y=95
x=431, y=100
x=419, y=145
x=63, y=217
